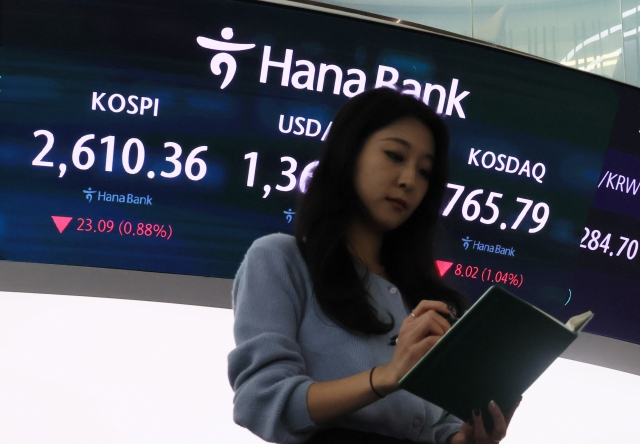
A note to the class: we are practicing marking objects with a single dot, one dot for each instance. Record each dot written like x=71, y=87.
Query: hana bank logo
x=88, y=194
x=224, y=57
x=313, y=76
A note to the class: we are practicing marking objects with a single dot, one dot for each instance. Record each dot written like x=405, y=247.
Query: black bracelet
x=371, y=384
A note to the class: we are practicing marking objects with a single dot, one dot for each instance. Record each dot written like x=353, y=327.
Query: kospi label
x=328, y=77
x=116, y=103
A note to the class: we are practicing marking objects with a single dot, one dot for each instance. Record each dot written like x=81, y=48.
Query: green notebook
x=494, y=352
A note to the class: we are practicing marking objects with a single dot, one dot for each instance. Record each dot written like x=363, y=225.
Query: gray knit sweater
x=284, y=343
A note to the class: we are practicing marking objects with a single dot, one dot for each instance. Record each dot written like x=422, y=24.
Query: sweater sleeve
x=450, y=425
x=266, y=369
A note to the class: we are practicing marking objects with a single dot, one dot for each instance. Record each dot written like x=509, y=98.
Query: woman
x=326, y=323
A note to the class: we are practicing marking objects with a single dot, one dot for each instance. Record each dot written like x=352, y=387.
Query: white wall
x=83, y=370
x=92, y=370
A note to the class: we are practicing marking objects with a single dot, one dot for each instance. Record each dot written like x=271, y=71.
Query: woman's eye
x=394, y=156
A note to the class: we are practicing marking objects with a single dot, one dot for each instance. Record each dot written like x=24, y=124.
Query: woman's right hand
x=419, y=332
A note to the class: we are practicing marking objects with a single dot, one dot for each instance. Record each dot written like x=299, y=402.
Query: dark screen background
x=55, y=55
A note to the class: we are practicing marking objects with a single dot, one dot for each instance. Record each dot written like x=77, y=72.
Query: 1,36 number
x=307, y=172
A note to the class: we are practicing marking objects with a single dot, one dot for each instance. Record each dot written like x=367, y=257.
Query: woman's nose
x=407, y=178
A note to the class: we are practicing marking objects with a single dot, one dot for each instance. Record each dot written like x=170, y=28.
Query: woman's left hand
x=475, y=432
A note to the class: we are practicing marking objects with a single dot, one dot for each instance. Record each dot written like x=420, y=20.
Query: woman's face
x=392, y=172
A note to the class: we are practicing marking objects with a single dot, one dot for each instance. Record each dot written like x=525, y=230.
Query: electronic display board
x=166, y=137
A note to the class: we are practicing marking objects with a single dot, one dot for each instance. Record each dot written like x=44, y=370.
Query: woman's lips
x=398, y=204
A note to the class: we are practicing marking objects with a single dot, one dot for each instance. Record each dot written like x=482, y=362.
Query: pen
x=448, y=316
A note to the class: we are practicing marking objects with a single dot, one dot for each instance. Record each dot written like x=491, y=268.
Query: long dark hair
x=331, y=203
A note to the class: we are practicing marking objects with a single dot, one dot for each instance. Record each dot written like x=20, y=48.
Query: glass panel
x=449, y=15
x=631, y=36
x=583, y=34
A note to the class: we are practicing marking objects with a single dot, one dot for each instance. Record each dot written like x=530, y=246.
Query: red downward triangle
x=443, y=267
x=61, y=222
